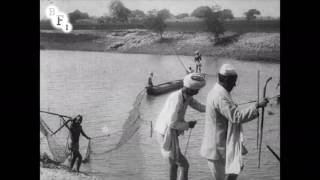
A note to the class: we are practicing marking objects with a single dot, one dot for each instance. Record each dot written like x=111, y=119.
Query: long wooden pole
x=273, y=153
x=258, y=120
x=56, y=114
x=185, y=151
x=64, y=124
x=184, y=66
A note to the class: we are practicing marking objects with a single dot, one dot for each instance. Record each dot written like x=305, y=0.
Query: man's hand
x=192, y=124
x=262, y=104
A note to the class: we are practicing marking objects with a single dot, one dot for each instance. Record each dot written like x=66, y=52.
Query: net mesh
x=132, y=123
x=58, y=143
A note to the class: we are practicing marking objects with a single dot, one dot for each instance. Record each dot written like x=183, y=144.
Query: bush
x=251, y=14
x=202, y=12
x=182, y=15
x=76, y=15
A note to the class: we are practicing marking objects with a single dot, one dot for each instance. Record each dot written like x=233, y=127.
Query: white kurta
x=170, y=122
x=223, y=129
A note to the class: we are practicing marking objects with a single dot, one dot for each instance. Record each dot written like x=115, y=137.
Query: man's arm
x=197, y=105
x=229, y=110
x=82, y=132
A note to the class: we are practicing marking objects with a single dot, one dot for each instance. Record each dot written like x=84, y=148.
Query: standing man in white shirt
x=222, y=143
x=171, y=123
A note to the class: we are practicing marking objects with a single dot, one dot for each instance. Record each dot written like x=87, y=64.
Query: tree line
x=214, y=17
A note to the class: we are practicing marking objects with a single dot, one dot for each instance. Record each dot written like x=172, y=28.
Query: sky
x=100, y=7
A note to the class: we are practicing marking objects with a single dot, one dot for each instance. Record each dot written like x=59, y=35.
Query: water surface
x=103, y=86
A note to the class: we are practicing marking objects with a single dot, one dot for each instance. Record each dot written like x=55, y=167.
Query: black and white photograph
x=159, y=89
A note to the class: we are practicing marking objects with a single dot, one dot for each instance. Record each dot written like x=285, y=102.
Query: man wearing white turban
x=222, y=143
x=171, y=123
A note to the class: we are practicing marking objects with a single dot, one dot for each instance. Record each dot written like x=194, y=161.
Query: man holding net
x=75, y=129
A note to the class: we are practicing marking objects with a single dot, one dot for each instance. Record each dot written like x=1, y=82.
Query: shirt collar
x=219, y=87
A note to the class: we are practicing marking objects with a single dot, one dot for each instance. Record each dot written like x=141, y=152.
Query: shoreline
x=140, y=53
x=61, y=174
x=264, y=47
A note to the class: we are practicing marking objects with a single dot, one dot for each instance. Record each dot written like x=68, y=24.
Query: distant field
x=241, y=26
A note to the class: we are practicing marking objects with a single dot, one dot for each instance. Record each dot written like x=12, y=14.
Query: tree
x=215, y=24
x=155, y=22
x=251, y=14
x=105, y=20
x=202, y=12
x=226, y=14
x=119, y=11
x=213, y=19
x=137, y=14
x=76, y=15
x=164, y=14
x=152, y=12
x=182, y=15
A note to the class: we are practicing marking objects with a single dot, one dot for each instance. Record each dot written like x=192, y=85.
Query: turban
x=194, y=81
x=227, y=70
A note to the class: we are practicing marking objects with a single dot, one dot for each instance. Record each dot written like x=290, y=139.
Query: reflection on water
x=103, y=86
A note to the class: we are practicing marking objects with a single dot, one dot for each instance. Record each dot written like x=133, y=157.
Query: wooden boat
x=164, y=87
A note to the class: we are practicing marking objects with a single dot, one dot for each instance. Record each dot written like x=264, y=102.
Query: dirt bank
x=248, y=46
x=62, y=174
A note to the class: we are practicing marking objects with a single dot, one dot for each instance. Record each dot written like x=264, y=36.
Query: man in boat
x=222, y=143
x=150, y=84
x=190, y=70
x=75, y=130
x=171, y=123
x=197, y=59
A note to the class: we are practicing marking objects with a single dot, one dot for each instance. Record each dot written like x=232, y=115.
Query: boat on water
x=164, y=87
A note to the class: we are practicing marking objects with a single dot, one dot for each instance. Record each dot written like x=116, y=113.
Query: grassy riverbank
x=258, y=46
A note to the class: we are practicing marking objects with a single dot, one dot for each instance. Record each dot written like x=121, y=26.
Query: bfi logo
x=58, y=19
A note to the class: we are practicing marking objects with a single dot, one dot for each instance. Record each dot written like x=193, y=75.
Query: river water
x=103, y=87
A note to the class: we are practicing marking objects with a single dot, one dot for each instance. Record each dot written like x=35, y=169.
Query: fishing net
x=132, y=123
x=58, y=143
